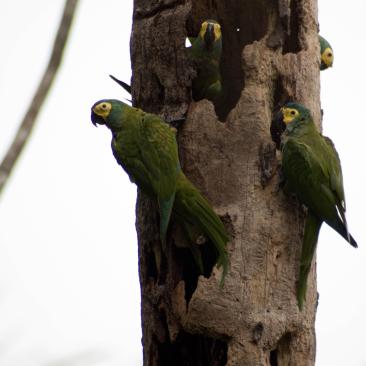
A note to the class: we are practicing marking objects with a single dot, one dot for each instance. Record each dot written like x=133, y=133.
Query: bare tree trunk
x=270, y=55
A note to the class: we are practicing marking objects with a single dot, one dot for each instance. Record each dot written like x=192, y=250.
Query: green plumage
x=326, y=54
x=206, y=53
x=312, y=170
x=146, y=148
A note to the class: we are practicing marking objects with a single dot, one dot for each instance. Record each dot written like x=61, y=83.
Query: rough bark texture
x=270, y=56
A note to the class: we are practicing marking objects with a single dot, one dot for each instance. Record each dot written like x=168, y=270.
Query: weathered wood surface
x=270, y=56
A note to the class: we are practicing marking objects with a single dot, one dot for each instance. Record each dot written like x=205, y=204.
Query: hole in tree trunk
x=281, y=355
x=280, y=94
x=273, y=358
x=238, y=30
x=292, y=42
x=189, y=268
x=192, y=350
x=280, y=97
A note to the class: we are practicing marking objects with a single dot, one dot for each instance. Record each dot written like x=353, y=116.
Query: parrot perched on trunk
x=146, y=148
x=206, y=53
x=326, y=54
x=312, y=170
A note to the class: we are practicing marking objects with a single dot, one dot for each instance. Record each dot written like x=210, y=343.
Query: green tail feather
x=165, y=209
x=194, y=208
x=311, y=233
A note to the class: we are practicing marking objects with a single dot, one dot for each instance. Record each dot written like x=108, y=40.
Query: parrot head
x=107, y=112
x=210, y=32
x=326, y=54
x=293, y=114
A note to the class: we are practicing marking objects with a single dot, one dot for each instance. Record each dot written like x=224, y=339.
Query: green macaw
x=206, y=53
x=326, y=54
x=146, y=148
x=312, y=169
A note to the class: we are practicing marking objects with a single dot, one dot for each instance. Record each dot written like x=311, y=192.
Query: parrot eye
x=329, y=54
x=293, y=113
x=104, y=106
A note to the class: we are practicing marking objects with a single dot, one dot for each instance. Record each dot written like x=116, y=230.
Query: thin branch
x=44, y=86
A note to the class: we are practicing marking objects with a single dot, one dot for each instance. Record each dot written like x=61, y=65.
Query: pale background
x=69, y=291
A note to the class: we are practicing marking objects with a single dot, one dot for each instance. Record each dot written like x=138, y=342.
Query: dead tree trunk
x=270, y=55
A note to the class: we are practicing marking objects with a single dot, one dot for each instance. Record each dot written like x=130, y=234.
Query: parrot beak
x=96, y=120
x=209, y=34
x=278, y=126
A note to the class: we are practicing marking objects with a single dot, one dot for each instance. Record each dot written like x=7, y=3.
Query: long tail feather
x=165, y=208
x=194, y=208
x=311, y=233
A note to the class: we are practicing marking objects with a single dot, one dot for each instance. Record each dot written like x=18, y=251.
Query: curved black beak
x=209, y=34
x=96, y=120
x=277, y=128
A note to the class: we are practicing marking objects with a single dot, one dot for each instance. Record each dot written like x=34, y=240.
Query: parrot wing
x=336, y=183
x=128, y=155
x=307, y=169
x=335, y=173
x=304, y=175
x=159, y=154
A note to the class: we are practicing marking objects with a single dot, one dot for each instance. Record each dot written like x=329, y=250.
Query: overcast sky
x=69, y=291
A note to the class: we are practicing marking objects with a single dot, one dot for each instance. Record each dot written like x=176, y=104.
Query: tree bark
x=270, y=55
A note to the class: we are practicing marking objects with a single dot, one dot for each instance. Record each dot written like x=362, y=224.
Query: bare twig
x=44, y=86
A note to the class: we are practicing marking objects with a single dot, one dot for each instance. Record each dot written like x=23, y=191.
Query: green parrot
x=206, y=53
x=146, y=148
x=326, y=54
x=312, y=170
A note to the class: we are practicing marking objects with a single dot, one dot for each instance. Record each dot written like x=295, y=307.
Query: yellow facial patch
x=203, y=29
x=102, y=109
x=216, y=26
x=289, y=114
x=327, y=57
x=217, y=31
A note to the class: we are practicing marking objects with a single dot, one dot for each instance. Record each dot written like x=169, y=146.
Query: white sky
x=69, y=292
